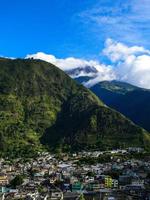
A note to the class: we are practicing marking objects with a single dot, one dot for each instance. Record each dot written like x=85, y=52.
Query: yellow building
x=108, y=182
x=3, y=180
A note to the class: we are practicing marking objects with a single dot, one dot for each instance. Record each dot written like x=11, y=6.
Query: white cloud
x=107, y=74
x=42, y=56
x=132, y=64
x=129, y=64
x=117, y=51
x=103, y=72
x=135, y=70
x=64, y=64
x=126, y=21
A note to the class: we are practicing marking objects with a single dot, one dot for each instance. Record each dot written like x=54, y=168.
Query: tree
x=81, y=197
x=2, y=142
x=18, y=180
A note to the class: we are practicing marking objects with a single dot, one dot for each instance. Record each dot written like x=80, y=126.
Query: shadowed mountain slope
x=41, y=105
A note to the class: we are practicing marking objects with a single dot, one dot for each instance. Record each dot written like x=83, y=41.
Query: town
x=117, y=174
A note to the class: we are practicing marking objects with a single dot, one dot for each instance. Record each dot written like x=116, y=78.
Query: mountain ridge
x=41, y=105
x=132, y=101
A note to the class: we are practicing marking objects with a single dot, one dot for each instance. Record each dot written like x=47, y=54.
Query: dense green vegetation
x=18, y=180
x=41, y=107
x=108, y=157
x=130, y=100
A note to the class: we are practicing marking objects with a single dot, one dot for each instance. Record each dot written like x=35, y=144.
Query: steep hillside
x=40, y=104
x=130, y=100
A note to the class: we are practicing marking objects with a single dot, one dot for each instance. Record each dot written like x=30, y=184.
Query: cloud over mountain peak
x=130, y=64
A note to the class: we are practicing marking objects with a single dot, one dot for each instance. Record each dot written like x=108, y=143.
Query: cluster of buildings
x=53, y=177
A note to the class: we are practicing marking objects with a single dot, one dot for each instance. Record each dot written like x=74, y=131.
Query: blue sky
x=29, y=26
x=76, y=28
x=110, y=35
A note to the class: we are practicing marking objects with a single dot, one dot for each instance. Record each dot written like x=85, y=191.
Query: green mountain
x=130, y=100
x=41, y=106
